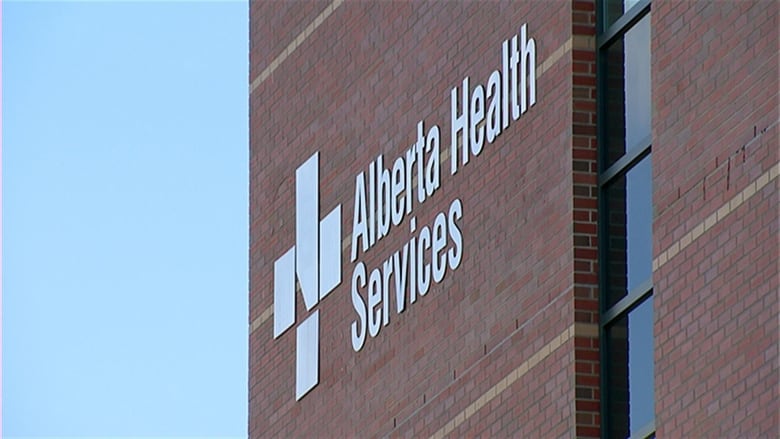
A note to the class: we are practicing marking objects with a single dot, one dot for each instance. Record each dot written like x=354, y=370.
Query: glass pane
x=629, y=108
x=629, y=219
x=630, y=371
x=616, y=8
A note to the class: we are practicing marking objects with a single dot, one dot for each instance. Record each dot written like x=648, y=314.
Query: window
x=625, y=219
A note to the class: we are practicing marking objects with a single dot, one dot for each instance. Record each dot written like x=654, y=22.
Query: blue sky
x=125, y=223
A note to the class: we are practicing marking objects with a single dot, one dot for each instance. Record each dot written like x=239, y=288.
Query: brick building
x=526, y=219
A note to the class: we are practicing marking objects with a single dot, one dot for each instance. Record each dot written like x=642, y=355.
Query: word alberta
x=385, y=195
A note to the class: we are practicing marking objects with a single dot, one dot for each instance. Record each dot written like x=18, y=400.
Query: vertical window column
x=625, y=218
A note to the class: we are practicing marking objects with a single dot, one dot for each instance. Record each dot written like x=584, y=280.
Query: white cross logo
x=315, y=260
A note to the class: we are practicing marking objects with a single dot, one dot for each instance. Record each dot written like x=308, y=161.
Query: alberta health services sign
x=383, y=198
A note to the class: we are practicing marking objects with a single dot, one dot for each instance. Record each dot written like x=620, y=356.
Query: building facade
x=514, y=219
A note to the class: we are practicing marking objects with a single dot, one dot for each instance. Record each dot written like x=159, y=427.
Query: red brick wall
x=491, y=349
x=715, y=163
x=585, y=196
